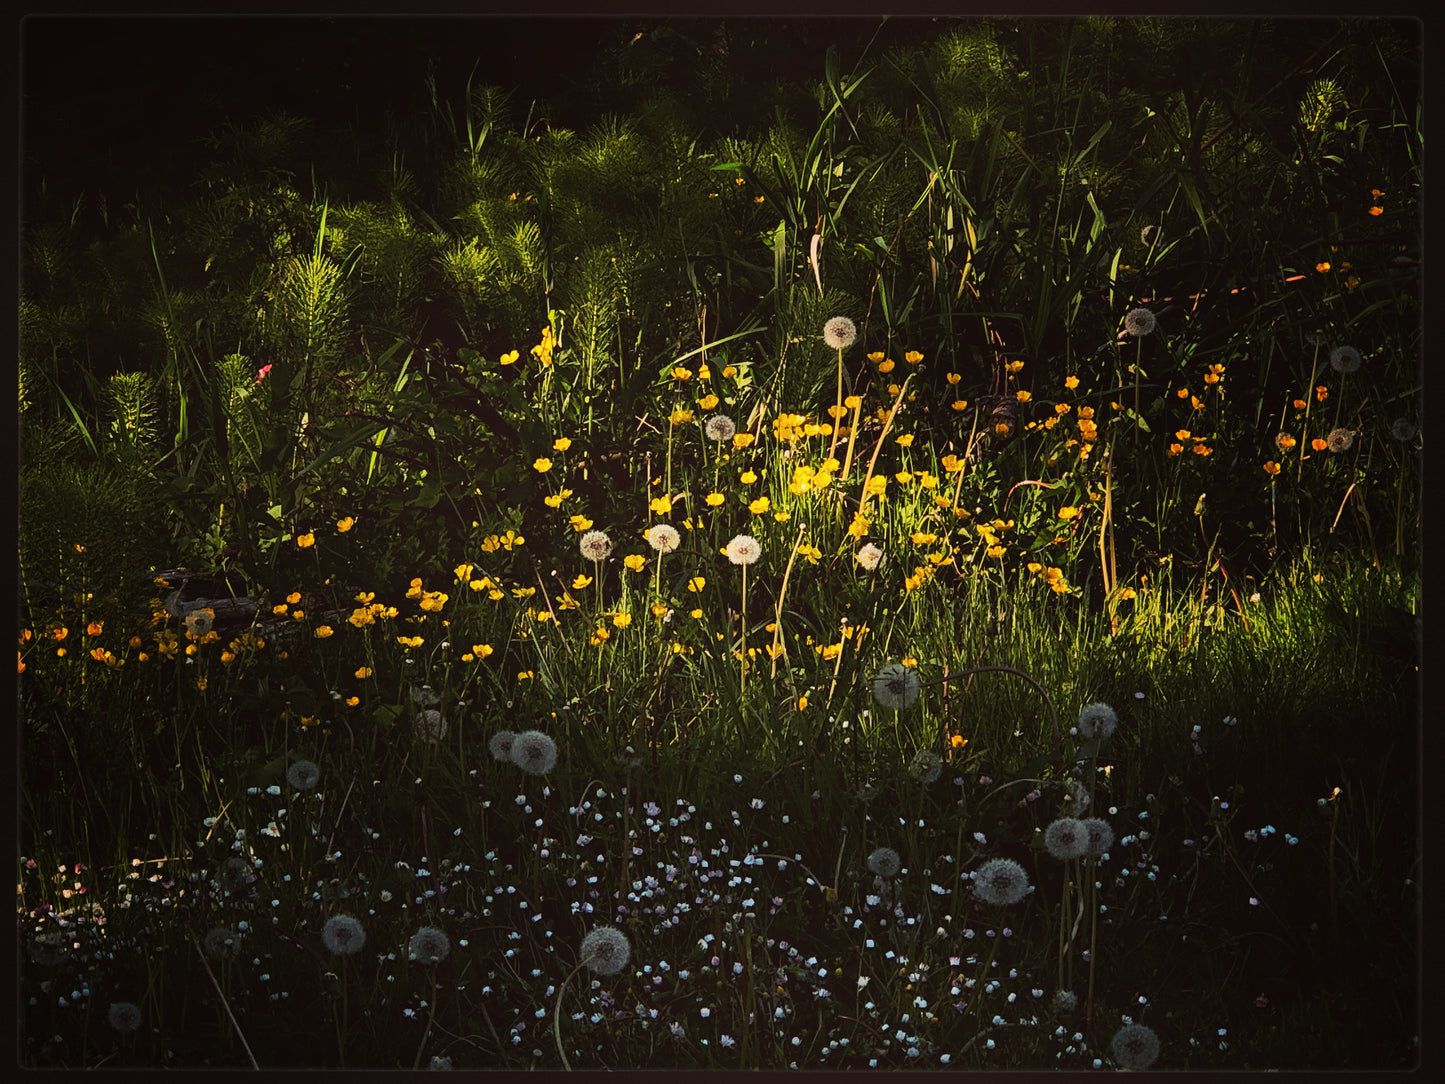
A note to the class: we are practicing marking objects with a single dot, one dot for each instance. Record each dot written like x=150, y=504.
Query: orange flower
x=1319, y=444
x=1377, y=211
x=1322, y=393
x=1322, y=266
x=1271, y=467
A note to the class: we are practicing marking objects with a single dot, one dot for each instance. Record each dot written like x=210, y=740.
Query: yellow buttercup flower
x=635, y=561
x=345, y=524
x=542, y=465
x=306, y=540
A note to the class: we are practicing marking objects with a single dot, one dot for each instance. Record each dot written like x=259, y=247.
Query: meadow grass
x=728, y=637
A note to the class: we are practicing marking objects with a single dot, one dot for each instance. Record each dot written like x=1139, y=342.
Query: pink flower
x=260, y=376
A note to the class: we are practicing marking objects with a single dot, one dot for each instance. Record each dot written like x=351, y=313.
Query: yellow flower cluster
x=1053, y=577
x=543, y=350
x=789, y=427
x=492, y=543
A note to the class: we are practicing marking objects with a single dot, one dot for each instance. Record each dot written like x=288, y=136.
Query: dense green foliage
x=1126, y=399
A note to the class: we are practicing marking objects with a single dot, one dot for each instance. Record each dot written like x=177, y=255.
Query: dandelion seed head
x=221, y=943
x=1345, y=359
x=839, y=333
x=720, y=428
x=343, y=935
x=303, y=775
x=1065, y=1001
x=744, y=550
x=1134, y=1046
x=534, y=752
x=1139, y=322
x=430, y=725
x=869, y=556
x=885, y=862
x=1339, y=440
x=1097, y=720
x=1066, y=838
x=500, y=745
x=1403, y=429
x=124, y=1016
x=663, y=538
x=605, y=950
x=428, y=945
x=1101, y=836
x=1000, y=881
x=595, y=545
x=896, y=686
x=926, y=766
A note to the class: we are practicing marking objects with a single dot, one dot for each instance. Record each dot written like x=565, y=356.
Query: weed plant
x=928, y=581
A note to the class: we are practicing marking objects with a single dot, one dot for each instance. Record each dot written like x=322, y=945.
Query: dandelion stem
x=225, y=1005
x=837, y=408
x=557, y=1019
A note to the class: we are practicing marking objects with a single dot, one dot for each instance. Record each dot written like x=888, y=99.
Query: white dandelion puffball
x=1001, y=881
x=1097, y=721
x=221, y=943
x=500, y=745
x=885, y=862
x=200, y=620
x=605, y=950
x=926, y=766
x=869, y=556
x=1139, y=322
x=720, y=428
x=595, y=545
x=1345, y=359
x=1067, y=838
x=430, y=725
x=428, y=945
x=896, y=686
x=343, y=935
x=1403, y=429
x=1101, y=836
x=839, y=333
x=534, y=752
x=663, y=538
x=1065, y=1001
x=744, y=550
x=1134, y=1047
x=124, y=1016
x=303, y=775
